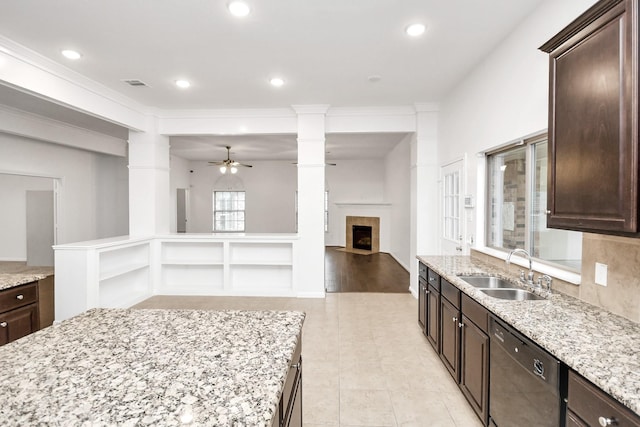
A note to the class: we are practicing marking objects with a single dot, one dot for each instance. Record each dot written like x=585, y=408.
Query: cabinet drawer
x=434, y=279
x=18, y=297
x=450, y=292
x=476, y=313
x=590, y=404
x=422, y=271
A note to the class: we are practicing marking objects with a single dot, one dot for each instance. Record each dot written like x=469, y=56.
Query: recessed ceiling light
x=239, y=8
x=183, y=84
x=414, y=30
x=276, y=81
x=71, y=54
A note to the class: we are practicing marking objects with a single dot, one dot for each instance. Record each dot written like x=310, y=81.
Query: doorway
x=28, y=220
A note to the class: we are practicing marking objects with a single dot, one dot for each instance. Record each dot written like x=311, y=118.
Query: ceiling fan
x=228, y=164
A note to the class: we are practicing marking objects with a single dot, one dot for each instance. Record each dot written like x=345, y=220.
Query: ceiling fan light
x=234, y=169
x=223, y=169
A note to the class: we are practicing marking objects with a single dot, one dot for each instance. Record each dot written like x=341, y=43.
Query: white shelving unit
x=120, y=272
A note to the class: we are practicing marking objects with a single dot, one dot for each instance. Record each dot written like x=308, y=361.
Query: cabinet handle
x=427, y=292
x=3, y=325
x=548, y=212
x=604, y=422
x=296, y=366
x=20, y=297
x=461, y=325
x=455, y=319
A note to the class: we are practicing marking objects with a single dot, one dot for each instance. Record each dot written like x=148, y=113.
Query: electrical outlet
x=601, y=274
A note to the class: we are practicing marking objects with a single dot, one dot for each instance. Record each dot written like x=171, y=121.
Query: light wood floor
x=352, y=272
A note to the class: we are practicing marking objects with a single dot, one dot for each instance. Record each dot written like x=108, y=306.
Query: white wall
x=270, y=188
x=353, y=181
x=397, y=191
x=13, y=215
x=93, y=192
x=506, y=96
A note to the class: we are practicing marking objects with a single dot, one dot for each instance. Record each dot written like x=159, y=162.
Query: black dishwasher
x=524, y=381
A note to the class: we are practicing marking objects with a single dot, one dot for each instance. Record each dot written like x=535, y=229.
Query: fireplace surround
x=358, y=224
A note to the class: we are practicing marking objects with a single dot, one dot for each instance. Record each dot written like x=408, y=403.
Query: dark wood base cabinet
x=450, y=338
x=432, y=306
x=26, y=308
x=289, y=413
x=587, y=405
x=456, y=327
x=18, y=312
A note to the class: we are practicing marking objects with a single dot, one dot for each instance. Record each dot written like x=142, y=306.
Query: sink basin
x=487, y=282
x=512, y=294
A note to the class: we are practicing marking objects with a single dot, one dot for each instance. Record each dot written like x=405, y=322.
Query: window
x=228, y=210
x=517, y=205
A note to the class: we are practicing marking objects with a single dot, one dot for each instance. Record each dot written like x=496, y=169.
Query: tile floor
x=366, y=362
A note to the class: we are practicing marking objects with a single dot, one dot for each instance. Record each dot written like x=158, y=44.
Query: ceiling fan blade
x=216, y=163
x=242, y=164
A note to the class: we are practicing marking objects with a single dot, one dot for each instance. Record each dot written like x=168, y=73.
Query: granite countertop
x=14, y=274
x=599, y=345
x=130, y=367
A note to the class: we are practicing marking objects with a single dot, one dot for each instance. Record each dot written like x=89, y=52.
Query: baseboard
x=13, y=260
x=311, y=294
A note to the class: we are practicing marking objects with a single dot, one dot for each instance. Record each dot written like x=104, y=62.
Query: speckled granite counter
x=601, y=346
x=150, y=367
x=17, y=273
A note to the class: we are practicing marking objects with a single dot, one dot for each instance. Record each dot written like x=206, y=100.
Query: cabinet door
x=574, y=421
x=474, y=371
x=593, y=158
x=422, y=304
x=433, y=318
x=18, y=323
x=450, y=338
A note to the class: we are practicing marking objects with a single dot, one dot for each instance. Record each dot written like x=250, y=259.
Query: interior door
x=452, y=205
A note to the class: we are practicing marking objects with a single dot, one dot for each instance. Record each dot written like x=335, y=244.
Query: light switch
x=601, y=274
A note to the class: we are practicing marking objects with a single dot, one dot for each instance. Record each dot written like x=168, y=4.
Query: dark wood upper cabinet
x=593, y=121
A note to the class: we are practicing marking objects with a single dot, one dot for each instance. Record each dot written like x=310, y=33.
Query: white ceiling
x=324, y=49
x=282, y=147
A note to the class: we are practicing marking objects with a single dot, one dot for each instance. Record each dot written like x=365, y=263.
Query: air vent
x=135, y=82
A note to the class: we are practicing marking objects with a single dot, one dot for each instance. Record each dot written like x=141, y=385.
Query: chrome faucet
x=523, y=252
x=547, y=279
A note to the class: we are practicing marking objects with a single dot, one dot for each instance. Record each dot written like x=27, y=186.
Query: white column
x=149, y=198
x=311, y=181
x=425, y=218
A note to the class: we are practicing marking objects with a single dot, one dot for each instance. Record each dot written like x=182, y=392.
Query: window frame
x=544, y=266
x=215, y=211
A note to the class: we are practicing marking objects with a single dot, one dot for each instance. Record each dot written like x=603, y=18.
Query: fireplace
x=361, y=237
x=362, y=234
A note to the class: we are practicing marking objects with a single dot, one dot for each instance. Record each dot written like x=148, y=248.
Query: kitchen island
x=130, y=367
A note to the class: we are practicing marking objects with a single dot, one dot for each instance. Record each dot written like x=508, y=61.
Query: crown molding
x=99, y=100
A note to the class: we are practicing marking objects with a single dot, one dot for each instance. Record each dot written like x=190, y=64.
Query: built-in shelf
x=121, y=272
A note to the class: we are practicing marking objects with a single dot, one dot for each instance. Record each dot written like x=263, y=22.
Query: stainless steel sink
x=487, y=282
x=512, y=294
